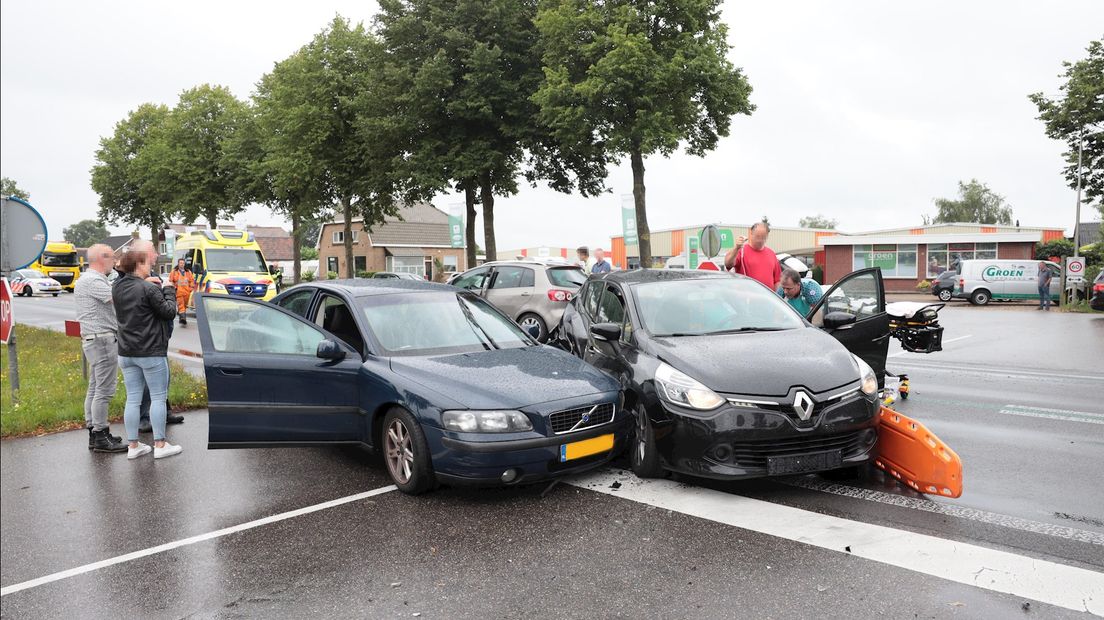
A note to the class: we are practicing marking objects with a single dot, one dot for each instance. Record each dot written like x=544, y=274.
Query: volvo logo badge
x=803, y=405
x=586, y=417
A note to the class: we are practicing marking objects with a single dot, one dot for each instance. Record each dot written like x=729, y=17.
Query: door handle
x=229, y=370
x=526, y=294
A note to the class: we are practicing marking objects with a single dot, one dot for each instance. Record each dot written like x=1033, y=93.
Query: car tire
x=980, y=297
x=406, y=453
x=529, y=319
x=643, y=455
x=54, y=294
x=944, y=295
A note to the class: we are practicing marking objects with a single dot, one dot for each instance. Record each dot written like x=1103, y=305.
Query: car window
x=297, y=301
x=439, y=324
x=590, y=302
x=239, y=326
x=566, y=276
x=611, y=307
x=857, y=296
x=235, y=259
x=334, y=316
x=711, y=305
x=473, y=280
x=512, y=277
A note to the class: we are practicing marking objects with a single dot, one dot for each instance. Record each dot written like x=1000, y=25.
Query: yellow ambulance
x=226, y=262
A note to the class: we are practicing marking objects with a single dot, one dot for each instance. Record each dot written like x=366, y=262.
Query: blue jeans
x=1044, y=297
x=140, y=373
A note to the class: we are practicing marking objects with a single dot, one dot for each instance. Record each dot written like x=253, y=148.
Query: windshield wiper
x=477, y=328
x=743, y=330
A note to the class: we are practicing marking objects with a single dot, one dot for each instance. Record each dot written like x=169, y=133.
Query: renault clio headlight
x=679, y=389
x=486, y=421
x=867, y=376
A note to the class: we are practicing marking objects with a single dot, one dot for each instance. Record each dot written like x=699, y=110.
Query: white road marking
x=87, y=568
x=926, y=505
x=900, y=353
x=989, y=370
x=1000, y=571
x=1053, y=414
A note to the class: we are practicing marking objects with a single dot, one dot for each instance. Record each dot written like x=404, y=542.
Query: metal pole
x=13, y=368
x=1077, y=221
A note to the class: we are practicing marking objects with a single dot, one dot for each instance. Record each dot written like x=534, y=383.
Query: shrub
x=363, y=274
x=332, y=275
x=1059, y=247
x=308, y=276
x=923, y=285
x=817, y=273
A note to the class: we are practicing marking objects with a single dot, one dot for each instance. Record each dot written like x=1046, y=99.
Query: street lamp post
x=1077, y=220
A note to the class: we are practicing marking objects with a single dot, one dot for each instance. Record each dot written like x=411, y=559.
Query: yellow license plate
x=587, y=447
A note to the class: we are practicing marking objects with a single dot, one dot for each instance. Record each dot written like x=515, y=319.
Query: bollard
x=13, y=368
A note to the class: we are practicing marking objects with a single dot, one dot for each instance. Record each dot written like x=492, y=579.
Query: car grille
x=247, y=290
x=564, y=421
x=756, y=453
x=63, y=279
x=819, y=406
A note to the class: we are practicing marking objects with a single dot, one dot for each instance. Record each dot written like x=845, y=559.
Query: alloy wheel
x=944, y=295
x=641, y=437
x=400, y=456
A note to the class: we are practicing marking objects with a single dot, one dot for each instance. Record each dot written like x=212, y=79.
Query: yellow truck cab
x=226, y=262
x=60, y=261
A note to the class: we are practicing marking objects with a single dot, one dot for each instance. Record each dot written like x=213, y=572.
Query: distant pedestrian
x=751, y=257
x=1045, y=276
x=601, y=265
x=801, y=293
x=143, y=310
x=184, y=281
x=96, y=314
x=585, y=260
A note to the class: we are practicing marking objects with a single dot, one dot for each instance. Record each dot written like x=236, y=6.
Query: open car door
x=275, y=379
x=853, y=312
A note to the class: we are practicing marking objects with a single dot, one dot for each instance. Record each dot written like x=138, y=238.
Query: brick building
x=407, y=243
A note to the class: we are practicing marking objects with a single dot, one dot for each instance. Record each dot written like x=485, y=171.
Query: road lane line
x=951, y=510
x=1000, y=571
x=900, y=353
x=988, y=370
x=87, y=568
x=1050, y=414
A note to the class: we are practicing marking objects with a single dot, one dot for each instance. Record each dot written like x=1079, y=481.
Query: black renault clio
x=726, y=380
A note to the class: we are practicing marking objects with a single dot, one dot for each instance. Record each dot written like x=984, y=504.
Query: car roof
x=367, y=287
x=638, y=276
x=529, y=262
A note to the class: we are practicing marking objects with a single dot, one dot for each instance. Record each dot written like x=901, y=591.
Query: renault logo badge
x=803, y=405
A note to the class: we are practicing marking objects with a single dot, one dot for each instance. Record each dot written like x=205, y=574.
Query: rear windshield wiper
x=476, y=327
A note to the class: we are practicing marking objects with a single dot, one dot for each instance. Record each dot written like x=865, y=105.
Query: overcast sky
x=867, y=111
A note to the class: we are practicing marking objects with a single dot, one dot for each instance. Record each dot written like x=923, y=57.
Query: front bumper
x=481, y=463
x=737, y=442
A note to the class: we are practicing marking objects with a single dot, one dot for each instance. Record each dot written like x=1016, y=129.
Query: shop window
x=943, y=257
x=896, y=261
x=406, y=264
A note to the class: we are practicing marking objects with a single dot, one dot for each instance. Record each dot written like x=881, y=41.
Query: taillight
x=962, y=283
x=1098, y=287
x=555, y=294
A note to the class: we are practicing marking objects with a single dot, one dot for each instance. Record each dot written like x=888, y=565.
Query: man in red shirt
x=751, y=257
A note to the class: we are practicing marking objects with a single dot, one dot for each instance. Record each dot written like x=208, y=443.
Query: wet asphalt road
x=1021, y=416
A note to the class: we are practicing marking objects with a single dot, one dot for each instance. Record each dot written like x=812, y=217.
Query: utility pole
x=1077, y=221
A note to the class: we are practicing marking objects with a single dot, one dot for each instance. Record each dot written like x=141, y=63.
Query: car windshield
x=30, y=274
x=222, y=259
x=566, y=276
x=60, y=259
x=439, y=324
x=712, y=306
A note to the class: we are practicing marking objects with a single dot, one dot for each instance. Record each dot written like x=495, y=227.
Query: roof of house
x=268, y=231
x=1089, y=232
x=276, y=248
x=419, y=224
x=117, y=241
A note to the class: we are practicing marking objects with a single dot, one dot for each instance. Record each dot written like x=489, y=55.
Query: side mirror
x=330, y=350
x=606, y=332
x=836, y=320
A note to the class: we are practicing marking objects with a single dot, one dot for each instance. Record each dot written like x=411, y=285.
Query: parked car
x=1097, y=301
x=725, y=380
x=943, y=285
x=391, y=275
x=27, y=282
x=436, y=380
x=533, y=293
x=784, y=259
x=983, y=280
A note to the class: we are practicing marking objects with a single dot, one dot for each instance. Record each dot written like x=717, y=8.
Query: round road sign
x=24, y=235
x=710, y=241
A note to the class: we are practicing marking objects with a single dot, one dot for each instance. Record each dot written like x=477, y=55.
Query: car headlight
x=681, y=390
x=867, y=376
x=486, y=421
x=215, y=286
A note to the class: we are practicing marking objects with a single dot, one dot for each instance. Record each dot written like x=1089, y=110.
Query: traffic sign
x=1075, y=269
x=7, y=314
x=24, y=235
x=710, y=241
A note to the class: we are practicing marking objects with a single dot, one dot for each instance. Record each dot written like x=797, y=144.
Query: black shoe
x=174, y=419
x=104, y=441
x=144, y=426
x=92, y=438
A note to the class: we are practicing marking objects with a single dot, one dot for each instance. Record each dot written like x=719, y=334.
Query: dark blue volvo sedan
x=443, y=385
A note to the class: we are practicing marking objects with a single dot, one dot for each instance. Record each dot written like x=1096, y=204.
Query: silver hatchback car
x=532, y=292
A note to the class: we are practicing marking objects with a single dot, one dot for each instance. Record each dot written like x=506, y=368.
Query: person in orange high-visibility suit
x=184, y=281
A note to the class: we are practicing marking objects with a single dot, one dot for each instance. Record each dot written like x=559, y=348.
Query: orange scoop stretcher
x=911, y=453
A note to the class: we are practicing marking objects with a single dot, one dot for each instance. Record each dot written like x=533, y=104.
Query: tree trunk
x=212, y=218
x=487, y=194
x=347, y=210
x=469, y=223
x=644, y=237
x=297, y=244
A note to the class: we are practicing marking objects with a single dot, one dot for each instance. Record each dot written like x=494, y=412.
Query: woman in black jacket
x=143, y=310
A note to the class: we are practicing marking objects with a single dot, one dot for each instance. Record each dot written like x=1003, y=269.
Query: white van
x=983, y=280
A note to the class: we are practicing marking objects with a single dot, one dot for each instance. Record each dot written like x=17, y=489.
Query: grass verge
x=51, y=395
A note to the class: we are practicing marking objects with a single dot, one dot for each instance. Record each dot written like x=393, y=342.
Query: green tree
x=191, y=155
x=85, y=233
x=9, y=187
x=976, y=203
x=308, y=252
x=125, y=174
x=818, y=221
x=1077, y=118
x=638, y=77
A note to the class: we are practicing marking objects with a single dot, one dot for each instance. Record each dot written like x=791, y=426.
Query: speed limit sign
x=1075, y=268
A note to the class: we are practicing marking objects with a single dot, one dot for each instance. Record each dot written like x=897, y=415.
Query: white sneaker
x=133, y=453
x=167, y=450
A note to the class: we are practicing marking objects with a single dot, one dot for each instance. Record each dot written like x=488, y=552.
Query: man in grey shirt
x=1045, y=276
x=98, y=339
